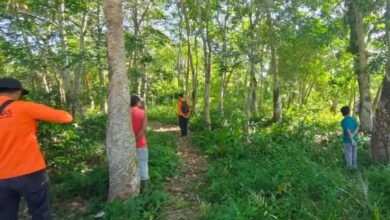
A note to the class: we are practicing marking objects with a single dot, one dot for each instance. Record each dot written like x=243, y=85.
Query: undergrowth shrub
x=78, y=170
x=290, y=170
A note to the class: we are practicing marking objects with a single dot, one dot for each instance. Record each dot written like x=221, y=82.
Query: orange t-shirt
x=19, y=150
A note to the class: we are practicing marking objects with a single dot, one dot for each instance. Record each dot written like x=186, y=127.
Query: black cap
x=11, y=83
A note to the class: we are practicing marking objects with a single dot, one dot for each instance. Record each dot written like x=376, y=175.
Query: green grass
x=291, y=170
x=78, y=171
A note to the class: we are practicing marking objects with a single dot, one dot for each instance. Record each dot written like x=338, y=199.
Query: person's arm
x=142, y=132
x=356, y=131
x=350, y=134
x=41, y=112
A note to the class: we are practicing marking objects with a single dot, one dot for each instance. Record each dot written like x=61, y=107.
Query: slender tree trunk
x=380, y=142
x=144, y=85
x=277, y=99
x=102, y=77
x=120, y=142
x=180, y=80
x=195, y=78
x=78, y=106
x=207, y=58
x=65, y=70
x=224, y=61
x=190, y=62
x=358, y=49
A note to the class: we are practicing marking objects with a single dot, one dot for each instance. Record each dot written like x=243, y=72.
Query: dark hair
x=135, y=99
x=180, y=95
x=8, y=90
x=345, y=110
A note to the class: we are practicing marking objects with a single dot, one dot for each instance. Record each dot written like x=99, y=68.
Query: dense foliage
x=244, y=65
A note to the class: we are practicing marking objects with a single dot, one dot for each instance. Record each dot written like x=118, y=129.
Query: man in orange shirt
x=184, y=111
x=22, y=166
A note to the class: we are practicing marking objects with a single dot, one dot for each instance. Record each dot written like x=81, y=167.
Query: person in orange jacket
x=22, y=166
x=184, y=112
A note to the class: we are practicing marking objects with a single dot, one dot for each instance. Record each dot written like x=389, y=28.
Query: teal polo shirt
x=349, y=123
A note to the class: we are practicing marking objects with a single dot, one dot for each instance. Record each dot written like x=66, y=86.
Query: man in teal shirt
x=350, y=137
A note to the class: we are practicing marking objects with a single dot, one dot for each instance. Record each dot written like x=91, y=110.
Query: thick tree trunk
x=380, y=142
x=358, y=49
x=120, y=143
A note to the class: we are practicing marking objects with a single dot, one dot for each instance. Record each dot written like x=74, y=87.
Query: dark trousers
x=183, y=123
x=33, y=188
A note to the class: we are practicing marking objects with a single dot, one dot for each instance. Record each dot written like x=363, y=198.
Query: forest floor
x=184, y=202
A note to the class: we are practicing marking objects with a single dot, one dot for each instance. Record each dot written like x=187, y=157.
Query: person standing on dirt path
x=139, y=120
x=22, y=166
x=184, y=112
x=350, y=137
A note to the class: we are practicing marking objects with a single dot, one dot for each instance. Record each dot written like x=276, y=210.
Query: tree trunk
x=380, y=142
x=358, y=49
x=78, y=106
x=65, y=70
x=190, y=62
x=180, y=80
x=207, y=59
x=376, y=99
x=277, y=99
x=195, y=78
x=102, y=84
x=120, y=142
x=224, y=61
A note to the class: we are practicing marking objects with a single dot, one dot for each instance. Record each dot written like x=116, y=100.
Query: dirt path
x=184, y=202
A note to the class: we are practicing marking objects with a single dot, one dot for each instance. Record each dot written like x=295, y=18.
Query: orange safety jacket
x=19, y=150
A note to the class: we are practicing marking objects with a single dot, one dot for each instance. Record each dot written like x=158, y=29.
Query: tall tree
x=358, y=49
x=380, y=143
x=277, y=100
x=204, y=12
x=120, y=142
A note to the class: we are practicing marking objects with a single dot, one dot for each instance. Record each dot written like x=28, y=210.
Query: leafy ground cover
x=291, y=170
x=79, y=173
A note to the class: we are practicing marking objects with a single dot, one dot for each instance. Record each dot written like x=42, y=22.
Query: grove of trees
x=238, y=61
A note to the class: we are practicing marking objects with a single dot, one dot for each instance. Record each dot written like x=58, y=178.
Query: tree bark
x=224, y=61
x=78, y=106
x=380, y=142
x=120, y=142
x=205, y=34
x=277, y=99
x=358, y=49
x=194, y=92
x=65, y=69
x=102, y=77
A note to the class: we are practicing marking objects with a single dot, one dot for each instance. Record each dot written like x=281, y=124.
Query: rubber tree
x=120, y=141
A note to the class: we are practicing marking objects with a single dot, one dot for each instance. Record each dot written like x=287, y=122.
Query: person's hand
x=354, y=143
